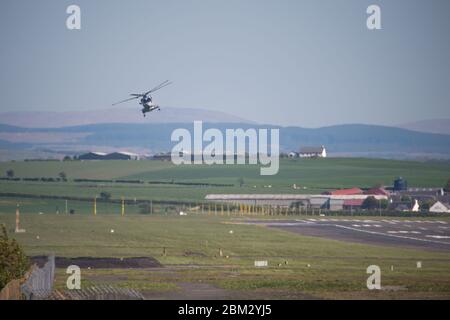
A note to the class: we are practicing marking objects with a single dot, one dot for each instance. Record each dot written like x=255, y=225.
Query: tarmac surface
x=413, y=233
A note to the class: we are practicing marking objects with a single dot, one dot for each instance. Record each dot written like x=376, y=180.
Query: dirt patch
x=101, y=263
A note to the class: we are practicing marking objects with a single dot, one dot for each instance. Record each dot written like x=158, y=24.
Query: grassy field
x=311, y=175
x=315, y=267
x=299, y=267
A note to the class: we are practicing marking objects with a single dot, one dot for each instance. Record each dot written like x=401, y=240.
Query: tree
x=383, y=203
x=67, y=158
x=426, y=205
x=405, y=198
x=447, y=186
x=105, y=196
x=63, y=176
x=10, y=173
x=370, y=203
x=13, y=261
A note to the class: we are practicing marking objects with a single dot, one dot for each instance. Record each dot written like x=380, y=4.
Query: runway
x=412, y=233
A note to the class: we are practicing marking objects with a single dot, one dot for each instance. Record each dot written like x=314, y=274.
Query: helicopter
x=146, y=99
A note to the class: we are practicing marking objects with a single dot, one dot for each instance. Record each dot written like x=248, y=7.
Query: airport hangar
x=316, y=201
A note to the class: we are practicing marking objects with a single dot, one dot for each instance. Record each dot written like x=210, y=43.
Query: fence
x=39, y=284
x=32, y=285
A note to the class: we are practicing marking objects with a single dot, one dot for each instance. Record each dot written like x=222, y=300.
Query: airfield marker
x=123, y=206
x=95, y=206
x=18, y=230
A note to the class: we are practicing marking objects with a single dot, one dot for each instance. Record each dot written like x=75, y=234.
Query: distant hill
x=441, y=126
x=349, y=140
x=52, y=119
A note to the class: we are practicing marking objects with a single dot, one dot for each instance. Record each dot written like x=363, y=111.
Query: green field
x=299, y=267
x=310, y=175
x=316, y=268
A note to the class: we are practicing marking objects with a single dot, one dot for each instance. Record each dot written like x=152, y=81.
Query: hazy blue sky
x=290, y=62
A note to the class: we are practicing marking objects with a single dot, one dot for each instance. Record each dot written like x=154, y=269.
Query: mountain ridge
x=361, y=139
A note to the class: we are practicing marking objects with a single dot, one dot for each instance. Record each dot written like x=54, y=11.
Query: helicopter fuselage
x=148, y=105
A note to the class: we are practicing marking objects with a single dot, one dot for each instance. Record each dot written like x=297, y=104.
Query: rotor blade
x=160, y=86
x=137, y=95
x=125, y=100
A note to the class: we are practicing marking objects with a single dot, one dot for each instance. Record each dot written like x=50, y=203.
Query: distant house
x=313, y=152
x=377, y=191
x=440, y=207
x=424, y=191
x=92, y=156
x=408, y=207
x=122, y=156
x=162, y=157
x=350, y=204
x=344, y=192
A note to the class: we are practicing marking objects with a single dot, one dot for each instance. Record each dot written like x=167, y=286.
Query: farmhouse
x=92, y=156
x=313, y=152
x=378, y=191
x=407, y=207
x=122, y=156
x=440, y=207
x=344, y=192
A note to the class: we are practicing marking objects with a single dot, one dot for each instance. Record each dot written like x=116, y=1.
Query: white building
x=440, y=207
x=313, y=152
x=416, y=206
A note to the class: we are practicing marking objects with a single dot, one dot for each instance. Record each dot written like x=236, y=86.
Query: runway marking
x=392, y=235
x=437, y=237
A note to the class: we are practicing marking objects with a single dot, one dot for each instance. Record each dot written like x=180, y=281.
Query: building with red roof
x=352, y=203
x=345, y=192
x=377, y=192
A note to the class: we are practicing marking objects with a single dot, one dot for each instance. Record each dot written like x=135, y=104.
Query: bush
x=10, y=173
x=370, y=203
x=447, y=186
x=13, y=261
x=105, y=196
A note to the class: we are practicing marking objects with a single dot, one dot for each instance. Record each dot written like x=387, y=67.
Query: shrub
x=105, y=196
x=13, y=261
